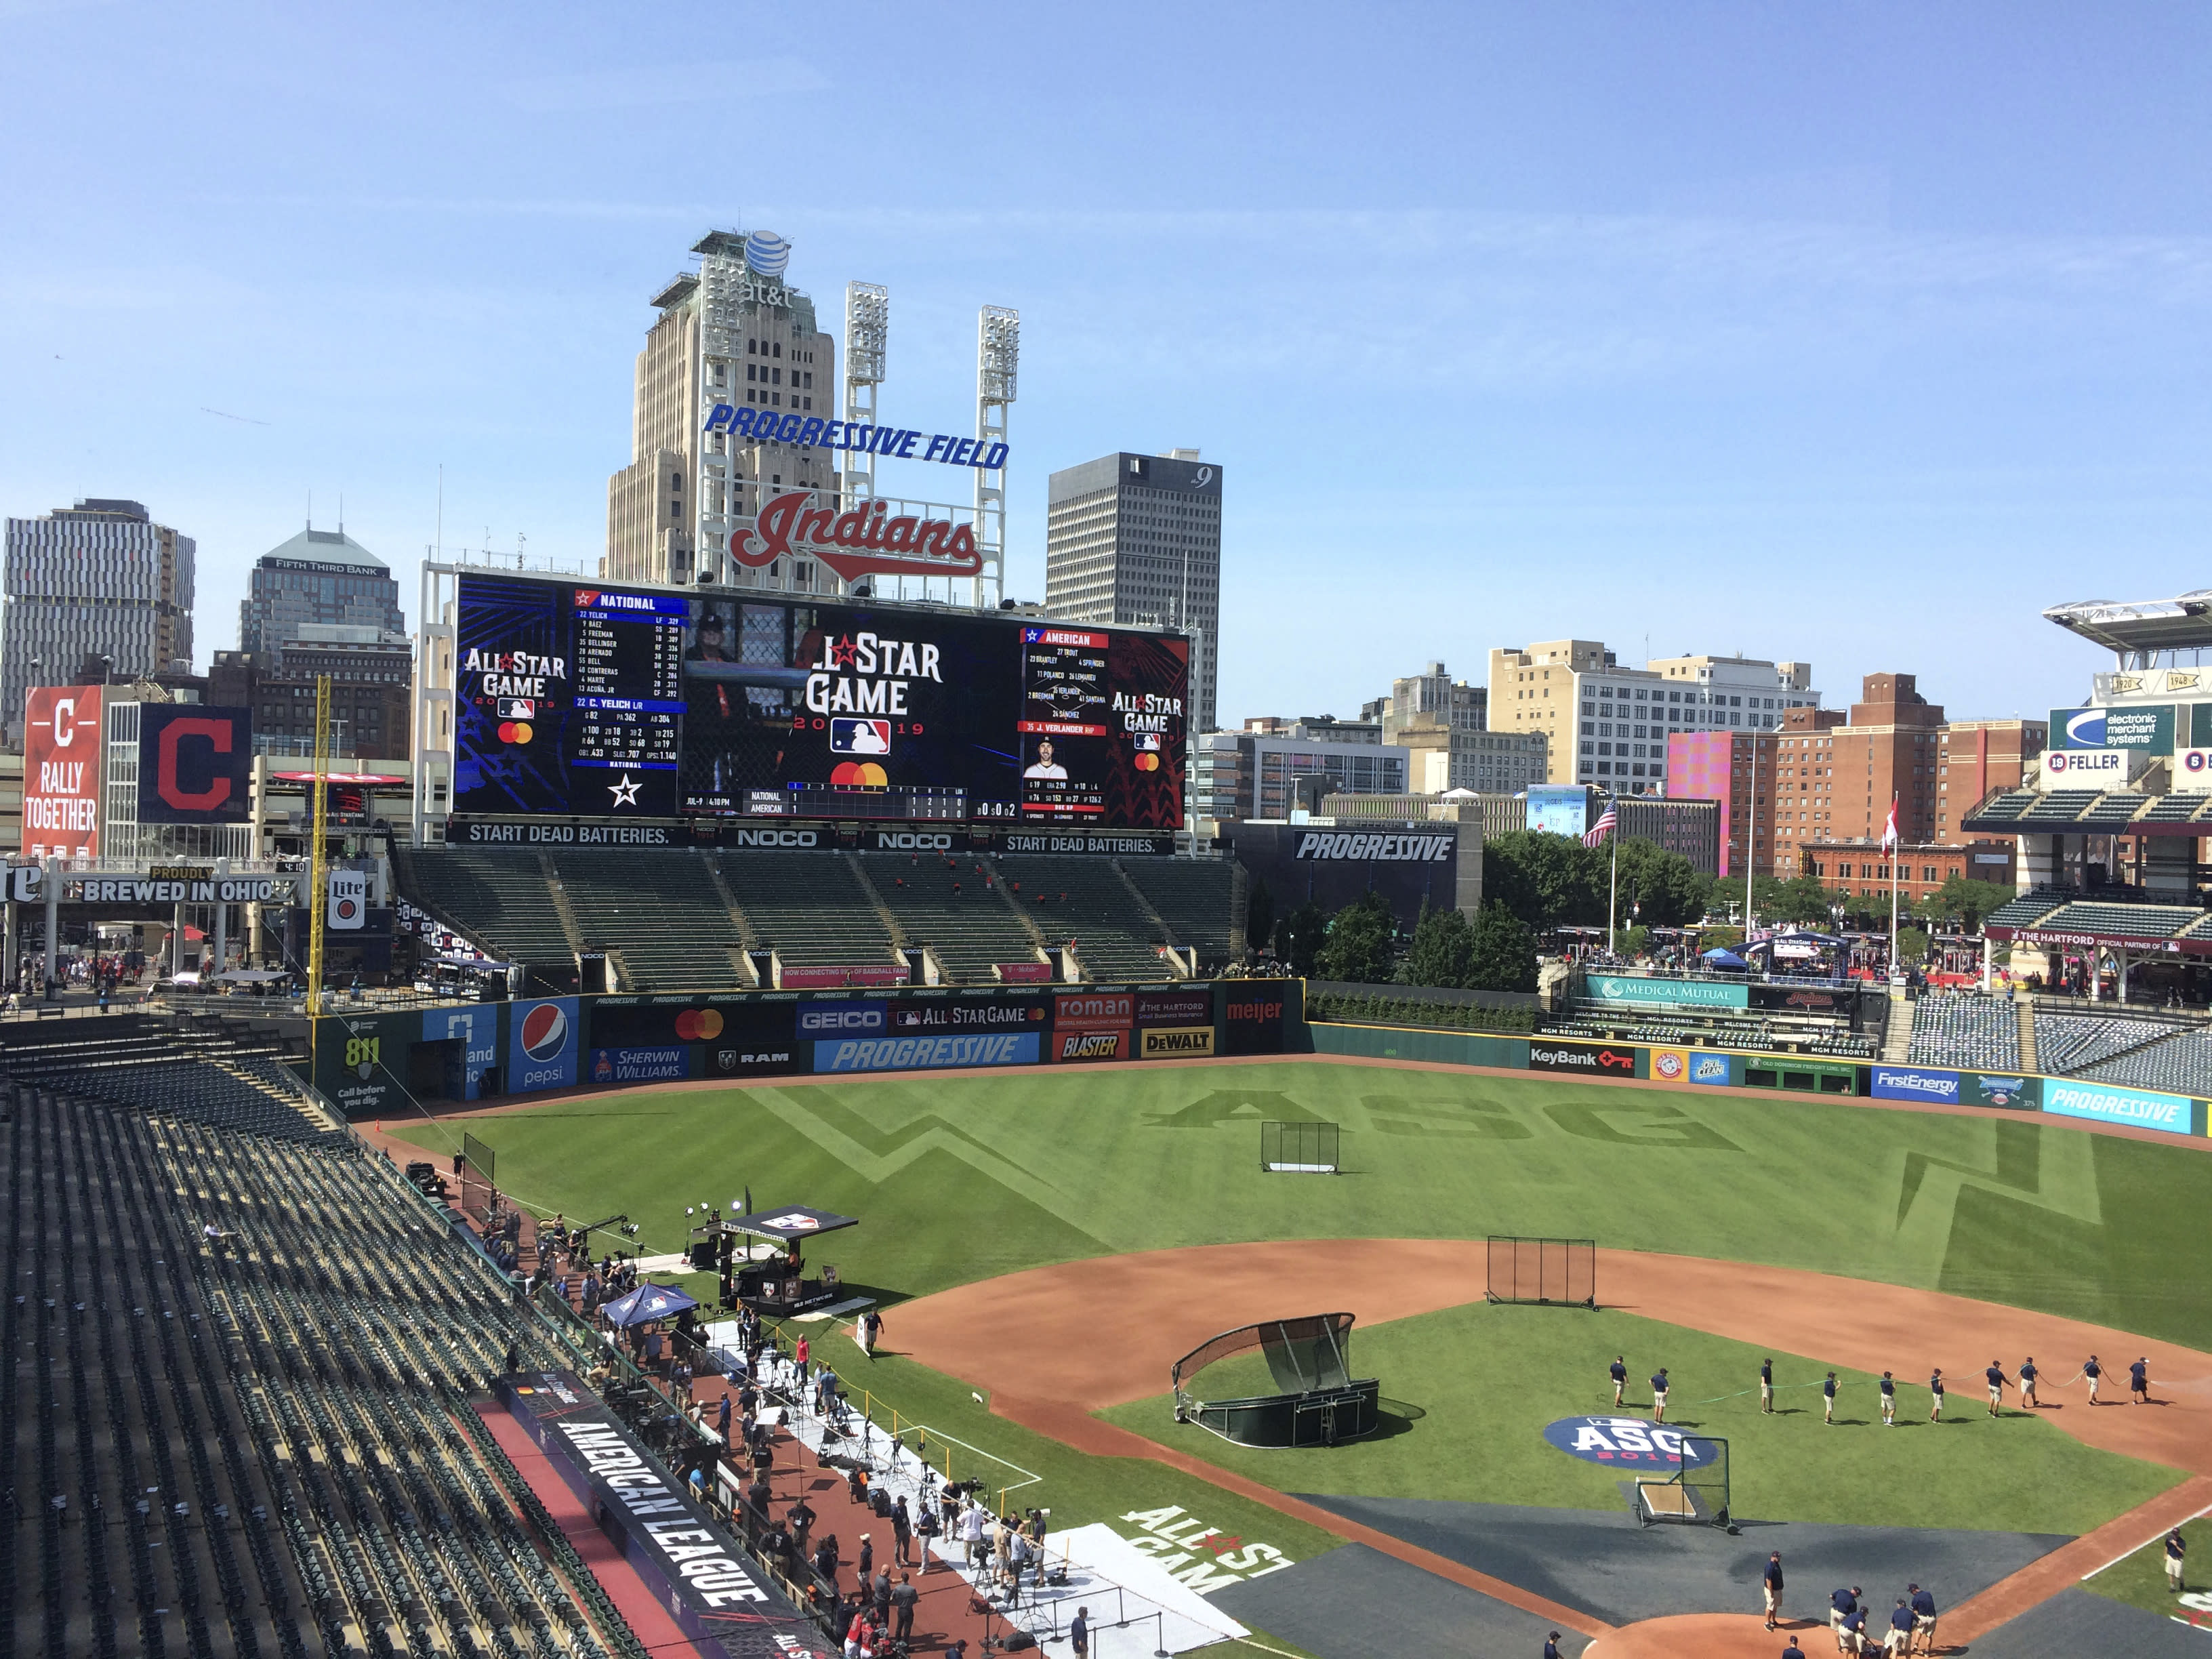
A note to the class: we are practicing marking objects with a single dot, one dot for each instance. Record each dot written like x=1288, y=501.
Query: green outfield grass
x=961, y=1179
x=2139, y=1579
x=1471, y=1388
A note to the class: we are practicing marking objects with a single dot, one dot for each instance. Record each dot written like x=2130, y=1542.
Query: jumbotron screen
x=575, y=700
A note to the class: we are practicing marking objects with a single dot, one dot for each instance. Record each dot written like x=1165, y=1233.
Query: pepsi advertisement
x=588, y=701
x=542, y=1043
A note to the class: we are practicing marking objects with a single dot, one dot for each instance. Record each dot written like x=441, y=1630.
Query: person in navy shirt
x=1552, y=1646
x=1901, y=1628
x=1935, y=1388
x=2176, y=1549
x=1828, y=1399
x=1842, y=1604
x=1766, y=1386
x=1889, y=1400
x=2028, y=1383
x=2139, y=1381
x=1620, y=1369
x=1793, y=1651
x=1659, y=1395
x=1996, y=1379
x=1923, y=1617
x=2095, y=1373
x=1773, y=1581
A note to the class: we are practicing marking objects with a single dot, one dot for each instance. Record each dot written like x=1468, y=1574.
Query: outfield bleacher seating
x=1976, y=1033
x=659, y=910
x=1193, y=896
x=1086, y=899
x=2024, y=911
x=2179, y=1064
x=2122, y=920
x=808, y=906
x=497, y=896
x=2072, y=1042
x=952, y=906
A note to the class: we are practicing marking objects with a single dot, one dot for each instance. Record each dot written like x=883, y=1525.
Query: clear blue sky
x=1855, y=334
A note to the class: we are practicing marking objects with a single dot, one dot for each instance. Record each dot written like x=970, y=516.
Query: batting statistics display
x=593, y=702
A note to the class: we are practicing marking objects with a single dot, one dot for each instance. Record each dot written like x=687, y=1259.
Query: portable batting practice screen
x=1553, y=1272
x=1696, y=1494
x=1298, y=1148
x=1308, y=1359
x=479, y=1176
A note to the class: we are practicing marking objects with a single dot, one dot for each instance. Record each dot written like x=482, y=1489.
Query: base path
x=1032, y=1338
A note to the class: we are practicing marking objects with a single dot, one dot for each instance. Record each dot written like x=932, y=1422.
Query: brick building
x=1861, y=866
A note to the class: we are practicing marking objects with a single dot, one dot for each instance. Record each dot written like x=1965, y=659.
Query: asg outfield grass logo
x=1629, y=1440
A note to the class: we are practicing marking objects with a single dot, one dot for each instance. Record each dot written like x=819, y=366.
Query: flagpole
x=1751, y=838
x=1894, y=845
x=1613, y=894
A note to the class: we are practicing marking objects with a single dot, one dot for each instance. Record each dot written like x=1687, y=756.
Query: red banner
x=61, y=771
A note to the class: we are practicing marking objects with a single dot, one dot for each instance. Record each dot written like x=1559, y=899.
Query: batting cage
x=1317, y=1402
x=1697, y=1493
x=1308, y=1148
x=1561, y=1271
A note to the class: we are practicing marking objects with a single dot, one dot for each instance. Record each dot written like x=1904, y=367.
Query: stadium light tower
x=867, y=339
x=998, y=354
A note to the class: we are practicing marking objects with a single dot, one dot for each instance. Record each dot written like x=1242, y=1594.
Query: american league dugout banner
x=720, y=1599
x=387, y=1065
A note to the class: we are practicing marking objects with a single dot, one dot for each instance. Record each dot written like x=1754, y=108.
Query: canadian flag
x=1889, y=833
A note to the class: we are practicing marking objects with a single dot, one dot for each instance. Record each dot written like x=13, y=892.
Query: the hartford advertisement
x=382, y=1065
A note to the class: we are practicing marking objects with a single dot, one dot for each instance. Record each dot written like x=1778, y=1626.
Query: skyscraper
x=1137, y=538
x=100, y=579
x=318, y=576
x=730, y=333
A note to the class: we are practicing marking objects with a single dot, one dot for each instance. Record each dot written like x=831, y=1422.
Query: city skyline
x=1855, y=341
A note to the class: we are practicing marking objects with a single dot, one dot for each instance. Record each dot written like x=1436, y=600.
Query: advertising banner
x=475, y=1033
x=1916, y=1083
x=1409, y=868
x=1025, y=973
x=2017, y=1092
x=1175, y=1008
x=1681, y=993
x=1094, y=1011
x=1691, y=1065
x=927, y=1054
x=1083, y=1043
x=816, y=1020
x=195, y=763
x=2071, y=1098
x=1175, y=1043
x=718, y=1597
x=968, y=1013
x=1587, y=1059
x=62, y=751
x=1558, y=809
x=361, y=1063
x=2134, y=726
x=641, y=1064
x=542, y=1039
x=349, y=899
x=1252, y=1017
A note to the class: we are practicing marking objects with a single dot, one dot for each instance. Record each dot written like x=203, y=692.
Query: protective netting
x=1304, y=1355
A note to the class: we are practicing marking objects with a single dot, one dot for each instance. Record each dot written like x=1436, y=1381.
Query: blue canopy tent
x=1717, y=958
x=646, y=1302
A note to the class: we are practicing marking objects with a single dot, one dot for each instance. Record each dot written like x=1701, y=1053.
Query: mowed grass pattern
x=1485, y=1379
x=961, y=1179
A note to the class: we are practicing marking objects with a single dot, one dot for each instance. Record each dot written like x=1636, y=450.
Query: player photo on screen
x=1046, y=766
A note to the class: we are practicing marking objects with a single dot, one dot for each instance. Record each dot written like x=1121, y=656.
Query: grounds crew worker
x=1620, y=1370
x=1923, y=1617
x=1766, y=1387
x=1659, y=1395
x=1773, y=1577
x=1842, y=1604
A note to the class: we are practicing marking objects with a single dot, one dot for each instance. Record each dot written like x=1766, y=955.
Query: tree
x=1541, y=877
x=1502, y=952
x=1968, y=902
x=1801, y=900
x=1358, y=947
x=1300, y=934
x=1259, y=918
x=1665, y=885
x=1912, y=944
x=1442, y=952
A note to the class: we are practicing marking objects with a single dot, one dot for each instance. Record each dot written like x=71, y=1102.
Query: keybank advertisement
x=1916, y=1083
x=927, y=1054
x=1682, y=993
x=2090, y=1100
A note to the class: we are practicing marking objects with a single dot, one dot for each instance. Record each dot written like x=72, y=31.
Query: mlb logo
x=854, y=736
x=1149, y=740
x=517, y=708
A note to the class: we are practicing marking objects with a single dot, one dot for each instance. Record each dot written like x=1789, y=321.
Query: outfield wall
x=381, y=1064
x=1802, y=1074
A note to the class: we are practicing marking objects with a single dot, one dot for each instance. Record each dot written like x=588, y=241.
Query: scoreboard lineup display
x=578, y=701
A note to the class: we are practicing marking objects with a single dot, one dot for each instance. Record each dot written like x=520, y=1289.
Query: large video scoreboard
x=599, y=703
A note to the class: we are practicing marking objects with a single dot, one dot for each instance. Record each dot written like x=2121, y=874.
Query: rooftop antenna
x=342, y=513
x=520, y=538
x=441, y=509
x=310, y=509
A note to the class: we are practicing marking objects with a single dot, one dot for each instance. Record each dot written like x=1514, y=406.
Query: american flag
x=1602, y=828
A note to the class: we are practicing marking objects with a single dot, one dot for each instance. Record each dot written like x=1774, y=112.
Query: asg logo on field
x=545, y=1031
x=1629, y=1440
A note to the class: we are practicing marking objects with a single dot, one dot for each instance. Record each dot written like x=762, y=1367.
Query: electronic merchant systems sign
x=595, y=702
